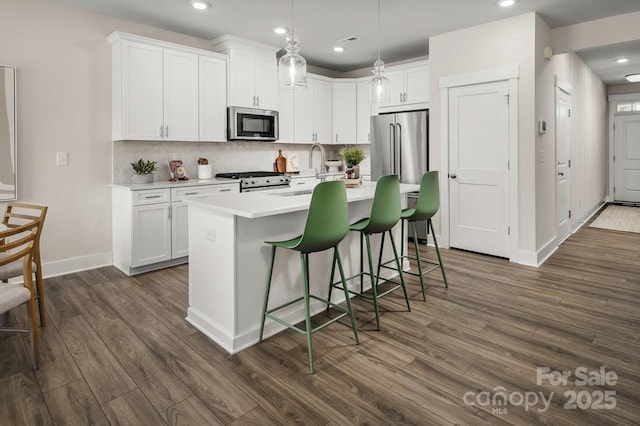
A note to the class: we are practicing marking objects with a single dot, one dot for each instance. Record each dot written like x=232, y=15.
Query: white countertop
x=265, y=203
x=176, y=184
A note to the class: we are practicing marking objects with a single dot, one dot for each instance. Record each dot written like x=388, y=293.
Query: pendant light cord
x=378, y=29
x=292, y=31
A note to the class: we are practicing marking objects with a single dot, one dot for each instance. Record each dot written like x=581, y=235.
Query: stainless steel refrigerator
x=400, y=145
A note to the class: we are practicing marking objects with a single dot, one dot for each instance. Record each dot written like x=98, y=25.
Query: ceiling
x=406, y=25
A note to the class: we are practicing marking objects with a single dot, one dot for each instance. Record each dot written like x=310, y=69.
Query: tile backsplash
x=223, y=156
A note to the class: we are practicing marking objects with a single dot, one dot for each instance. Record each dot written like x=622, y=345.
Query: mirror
x=8, y=147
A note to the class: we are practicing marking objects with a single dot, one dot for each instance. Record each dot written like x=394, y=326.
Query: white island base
x=228, y=261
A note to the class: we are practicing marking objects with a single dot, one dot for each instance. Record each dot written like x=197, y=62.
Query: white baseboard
x=76, y=264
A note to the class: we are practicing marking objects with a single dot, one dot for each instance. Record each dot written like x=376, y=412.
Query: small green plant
x=144, y=167
x=352, y=155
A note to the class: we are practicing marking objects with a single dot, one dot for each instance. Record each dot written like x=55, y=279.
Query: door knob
x=560, y=173
x=453, y=175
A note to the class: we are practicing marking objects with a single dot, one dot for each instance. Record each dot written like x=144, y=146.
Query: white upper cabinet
x=253, y=72
x=180, y=95
x=409, y=87
x=313, y=112
x=159, y=89
x=213, y=99
x=344, y=112
x=286, y=115
x=363, y=110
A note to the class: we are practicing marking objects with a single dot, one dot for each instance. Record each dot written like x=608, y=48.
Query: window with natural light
x=628, y=107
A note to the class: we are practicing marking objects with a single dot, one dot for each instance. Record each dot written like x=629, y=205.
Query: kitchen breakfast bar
x=228, y=260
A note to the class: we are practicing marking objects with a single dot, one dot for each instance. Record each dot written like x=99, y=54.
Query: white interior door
x=478, y=168
x=627, y=158
x=563, y=163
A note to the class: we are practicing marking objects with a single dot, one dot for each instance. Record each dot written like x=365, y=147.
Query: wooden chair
x=18, y=214
x=17, y=245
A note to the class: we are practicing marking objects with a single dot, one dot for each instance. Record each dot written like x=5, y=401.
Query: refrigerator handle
x=392, y=147
x=399, y=151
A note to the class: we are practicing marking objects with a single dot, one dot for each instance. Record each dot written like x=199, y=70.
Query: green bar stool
x=385, y=214
x=327, y=224
x=426, y=207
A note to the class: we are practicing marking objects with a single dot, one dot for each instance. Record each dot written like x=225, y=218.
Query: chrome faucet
x=322, y=176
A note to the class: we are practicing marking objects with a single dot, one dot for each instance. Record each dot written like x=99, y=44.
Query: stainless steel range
x=258, y=181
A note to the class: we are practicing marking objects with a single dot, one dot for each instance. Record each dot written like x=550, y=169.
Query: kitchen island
x=228, y=260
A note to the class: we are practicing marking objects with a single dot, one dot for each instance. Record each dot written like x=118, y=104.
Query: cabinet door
x=286, y=115
x=151, y=234
x=303, y=114
x=396, y=83
x=179, y=229
x=363, y=112
x=180, y=95
x=417, y=84
x=266, y=82
x=323, y=111
x=242, y=78
x=141, y=91
x=344, y=113
x=213, y=99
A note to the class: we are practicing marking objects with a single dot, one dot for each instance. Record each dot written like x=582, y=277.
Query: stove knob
x=267, y=181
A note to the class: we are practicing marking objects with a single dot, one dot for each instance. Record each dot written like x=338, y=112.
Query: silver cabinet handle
x=399, y=151
x=453, y=175
x=257, y=100
x=190, y=193
x=336, y=137
x=169, y=213
x=225, y=190
x=148, y=197
x=166, y=131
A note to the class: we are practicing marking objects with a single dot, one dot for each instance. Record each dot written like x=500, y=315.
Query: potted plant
x=143, y=171
x=352, y=156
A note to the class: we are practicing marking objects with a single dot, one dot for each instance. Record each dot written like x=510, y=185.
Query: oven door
x=252, y=124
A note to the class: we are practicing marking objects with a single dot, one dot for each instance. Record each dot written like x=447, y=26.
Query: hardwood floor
x=118, y=351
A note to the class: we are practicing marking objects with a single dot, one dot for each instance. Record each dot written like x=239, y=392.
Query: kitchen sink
x=292, y=193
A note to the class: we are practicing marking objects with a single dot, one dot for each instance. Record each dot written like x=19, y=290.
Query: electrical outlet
x=210, y=234
x=62, y=159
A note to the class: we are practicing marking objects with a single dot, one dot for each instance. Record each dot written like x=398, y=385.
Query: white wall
x=498, y=44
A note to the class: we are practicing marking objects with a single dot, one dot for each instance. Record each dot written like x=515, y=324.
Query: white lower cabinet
x=151, y=226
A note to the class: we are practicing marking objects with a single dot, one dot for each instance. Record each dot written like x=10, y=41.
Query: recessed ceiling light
x=634, y=78
x=338, y=49
x=280, y=30
x=506, y=3
x=622, y=60
x=200, y=5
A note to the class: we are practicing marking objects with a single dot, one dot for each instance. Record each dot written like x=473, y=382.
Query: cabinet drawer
x=178, y=194
x=151, y=196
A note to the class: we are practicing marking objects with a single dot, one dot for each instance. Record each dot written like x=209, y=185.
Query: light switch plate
x=62, y=159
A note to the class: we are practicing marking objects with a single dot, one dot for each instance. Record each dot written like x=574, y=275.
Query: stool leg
x=374, y=282
x=40, y=296
x=402, y=222
x=395, y=253
x=333, y=270
x=266, y=294
x=304, y=258
x=336, y=257
x=415, y=245
x=361, y=265
x=380, y=256
x=435, y=243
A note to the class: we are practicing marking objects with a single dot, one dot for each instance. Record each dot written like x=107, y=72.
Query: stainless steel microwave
x=250, y=124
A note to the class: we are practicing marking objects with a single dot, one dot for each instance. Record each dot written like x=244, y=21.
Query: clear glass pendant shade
x=292, y=67
x=379, y=86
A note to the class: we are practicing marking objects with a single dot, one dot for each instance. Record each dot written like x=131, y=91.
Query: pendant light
x=292, y=67
x=379, y=86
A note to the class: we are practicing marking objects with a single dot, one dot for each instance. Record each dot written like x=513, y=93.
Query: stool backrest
x=386, y=209
x=328, y=218
x=429, y=197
